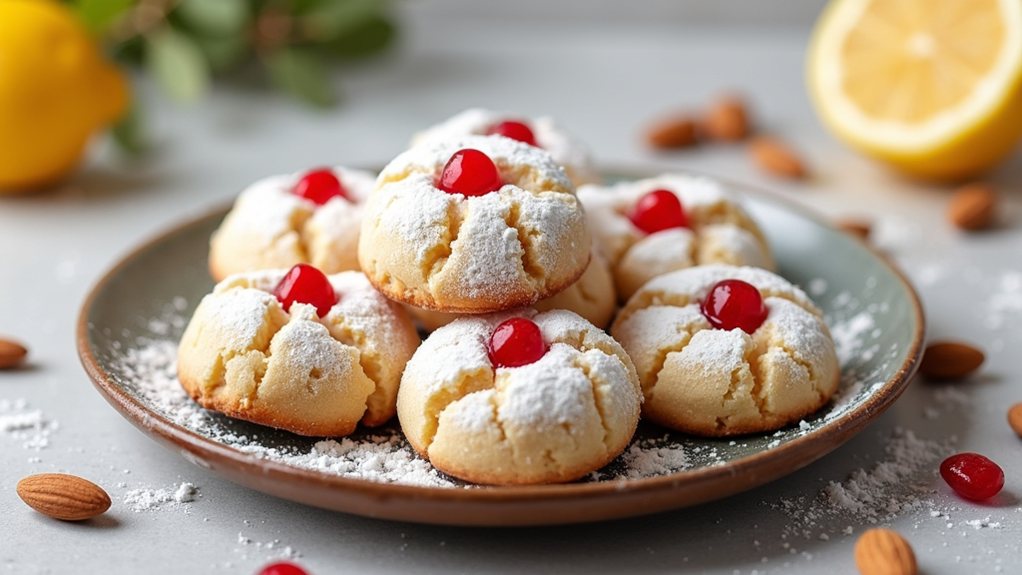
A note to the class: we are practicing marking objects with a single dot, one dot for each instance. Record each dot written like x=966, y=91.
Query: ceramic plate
x=132, y=319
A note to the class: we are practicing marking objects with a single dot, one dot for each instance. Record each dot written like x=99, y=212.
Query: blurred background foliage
x=186, y=44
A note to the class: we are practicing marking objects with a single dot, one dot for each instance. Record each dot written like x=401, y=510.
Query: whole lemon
x=56, y=90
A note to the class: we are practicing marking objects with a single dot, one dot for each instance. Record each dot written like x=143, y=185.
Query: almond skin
x=1015, y=418
x=672, y=133
x=949, y=360
x=973, y=207
x=777, y=158
x=62, y=496
x=854, y=227
x=884, y=552
x=727, y=119
x=12, y=353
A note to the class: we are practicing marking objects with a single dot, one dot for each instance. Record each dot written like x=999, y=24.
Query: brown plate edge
x=500, y=506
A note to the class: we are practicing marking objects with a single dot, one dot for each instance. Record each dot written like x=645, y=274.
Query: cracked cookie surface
x=592, y=297
x=269, y=227
x=714, y=382
x=554, y=420
x=447, y=252
x=562, y=146
x=246, y=357
x=719, y=230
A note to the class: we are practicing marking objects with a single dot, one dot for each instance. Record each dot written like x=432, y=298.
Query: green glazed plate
x=132, y=319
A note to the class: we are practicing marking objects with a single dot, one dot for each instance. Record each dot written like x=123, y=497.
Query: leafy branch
x=186, y=44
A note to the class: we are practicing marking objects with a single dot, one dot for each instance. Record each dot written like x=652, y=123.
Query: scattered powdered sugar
x=653, y=457
x=1005, y=301
x=139, y=500
x=898, y=483
x=382, y=458
x=20, y=422
x=849, y=335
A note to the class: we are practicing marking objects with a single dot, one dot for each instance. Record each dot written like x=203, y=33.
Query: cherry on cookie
x=306, y=284
x=514, y=130
x=469, y=172
x=320, y=186
x=657, y=211
x=516, y=342
x=734, y=304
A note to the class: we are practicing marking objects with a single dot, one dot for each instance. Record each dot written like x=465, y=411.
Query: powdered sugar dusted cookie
x=542, y=132
x=650, y=227
x=723, y=350
x=519, y=398
x=297, y=350
x=592, y=297
x=474, y=225
x=280, y=221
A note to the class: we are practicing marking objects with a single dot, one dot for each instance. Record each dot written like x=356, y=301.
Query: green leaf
x=214, y=17
x=99, y=15
x=178, y=64
x=129, y=132
x=223, y=52
x=373, y=36
x=302, y=74
x=329, y=20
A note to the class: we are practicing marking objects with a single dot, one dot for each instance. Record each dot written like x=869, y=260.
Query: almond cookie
x=650, y=227
x=474, y=225
x=542, y=132
x=280, y=221
x=592, y=297
x=519, y=398
x=723, y=350
x=297, y=350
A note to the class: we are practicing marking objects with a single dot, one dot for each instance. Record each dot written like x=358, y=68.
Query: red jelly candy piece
x=657, y=211
x=306, y=284
x=734, y=304
x=471, y=173
x=516, y=342
x=972, y=475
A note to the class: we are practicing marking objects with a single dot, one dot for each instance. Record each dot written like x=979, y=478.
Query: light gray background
x=603, y=72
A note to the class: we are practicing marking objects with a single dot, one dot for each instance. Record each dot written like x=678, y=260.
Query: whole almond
x=12, y=353
x=949, y=360
x=777, y=158
x=855, y=227
x=671, y=133
x=973, y=207
x=1015, y=418
x=727, y=119
x=884, y=552
x=63, y=496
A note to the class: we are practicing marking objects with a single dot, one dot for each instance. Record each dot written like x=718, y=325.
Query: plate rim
x=831, y=435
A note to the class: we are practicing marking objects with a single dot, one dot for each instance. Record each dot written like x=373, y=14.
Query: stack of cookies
x=492, y=236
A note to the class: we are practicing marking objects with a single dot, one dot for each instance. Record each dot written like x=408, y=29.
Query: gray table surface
x=603, y=81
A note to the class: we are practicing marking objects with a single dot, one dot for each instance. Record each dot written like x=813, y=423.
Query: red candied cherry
x=306, y=284
x=471, y=173
x=319, y=186
x=657, y=211
x=283, y=568
x=734, y=304
x=514, y=130
x=516, y=342
x=972, y=476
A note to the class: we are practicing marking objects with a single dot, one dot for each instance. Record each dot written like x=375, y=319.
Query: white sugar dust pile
x=139, y=500
x=19, y=422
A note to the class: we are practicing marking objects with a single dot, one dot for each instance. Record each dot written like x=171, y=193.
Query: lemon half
x=933, y=87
